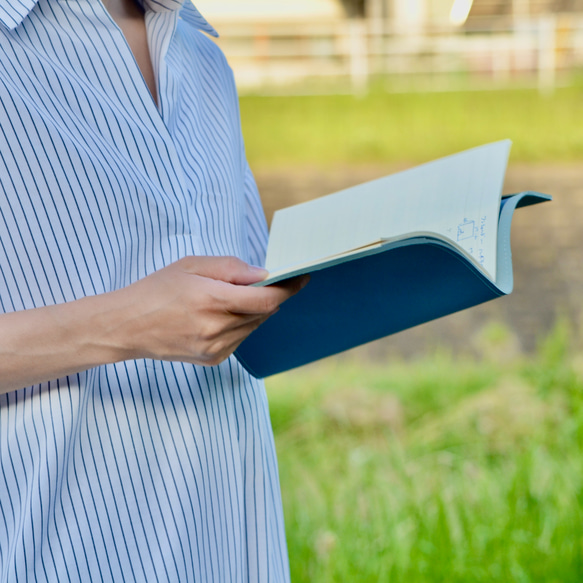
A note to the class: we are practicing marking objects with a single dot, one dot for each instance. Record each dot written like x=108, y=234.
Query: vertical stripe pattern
x=141, y=470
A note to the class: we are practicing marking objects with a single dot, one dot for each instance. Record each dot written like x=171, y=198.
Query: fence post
x=547, y=49
x=358, y=54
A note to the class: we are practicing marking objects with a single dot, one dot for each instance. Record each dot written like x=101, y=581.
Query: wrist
x=100, y=324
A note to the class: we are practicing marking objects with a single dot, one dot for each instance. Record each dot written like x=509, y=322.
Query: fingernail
x=304, y=282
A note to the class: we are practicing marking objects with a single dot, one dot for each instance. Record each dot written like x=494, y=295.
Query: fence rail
x=538, y=50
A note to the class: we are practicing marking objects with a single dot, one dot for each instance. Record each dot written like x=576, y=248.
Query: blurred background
x=337, y=92
x=452, y=451
x=413, y=43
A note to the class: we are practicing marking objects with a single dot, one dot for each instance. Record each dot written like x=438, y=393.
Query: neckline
x=118, y=19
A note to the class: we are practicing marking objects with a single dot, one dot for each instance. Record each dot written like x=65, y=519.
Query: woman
x=129, y=223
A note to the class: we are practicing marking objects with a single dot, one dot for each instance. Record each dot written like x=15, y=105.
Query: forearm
x=196, y=310
x=51, y=342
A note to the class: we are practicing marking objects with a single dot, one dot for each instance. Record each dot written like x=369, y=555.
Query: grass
x=443, y=469
x=439, y=470
x=382, y=127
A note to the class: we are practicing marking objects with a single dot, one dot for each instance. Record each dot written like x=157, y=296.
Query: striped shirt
x=142, y=470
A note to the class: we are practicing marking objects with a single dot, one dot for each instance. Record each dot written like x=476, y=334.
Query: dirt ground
x=547, y=246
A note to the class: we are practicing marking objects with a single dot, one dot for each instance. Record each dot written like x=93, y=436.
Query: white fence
x=350, y=53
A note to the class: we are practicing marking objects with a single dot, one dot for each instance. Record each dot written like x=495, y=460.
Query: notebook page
x=457, y=197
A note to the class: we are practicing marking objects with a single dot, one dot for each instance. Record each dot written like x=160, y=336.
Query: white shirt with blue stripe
x=142, y=470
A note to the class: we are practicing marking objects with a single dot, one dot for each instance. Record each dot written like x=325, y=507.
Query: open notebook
x=387, y=255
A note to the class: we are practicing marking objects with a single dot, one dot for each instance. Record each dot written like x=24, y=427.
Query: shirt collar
x=13, y=12
x=190, y=14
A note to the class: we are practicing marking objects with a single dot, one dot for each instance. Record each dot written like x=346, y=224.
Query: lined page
x=457, y=197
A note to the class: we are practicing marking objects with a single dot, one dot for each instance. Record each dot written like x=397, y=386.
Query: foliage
x=437, y=470
x=393, y=128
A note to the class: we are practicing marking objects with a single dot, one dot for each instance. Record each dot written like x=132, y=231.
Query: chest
x=98, y=185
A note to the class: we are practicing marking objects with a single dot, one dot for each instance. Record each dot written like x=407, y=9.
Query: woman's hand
x=196, y=310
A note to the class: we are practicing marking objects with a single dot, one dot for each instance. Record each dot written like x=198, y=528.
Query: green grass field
x=439, y=470
x=442, y=469
x=382, y=127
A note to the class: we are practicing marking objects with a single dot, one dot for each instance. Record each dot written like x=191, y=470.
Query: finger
x=237, y=335
x=295, y=284
x=262, y=300
x=234, y=322
x=247, y=325
x=230, y=341
x=228, y=269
